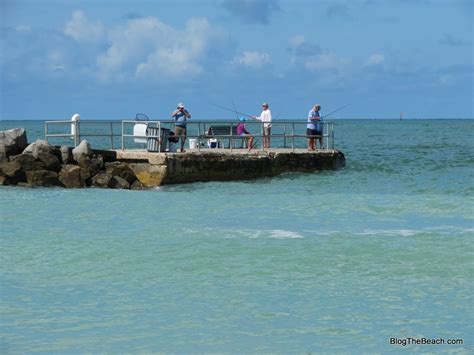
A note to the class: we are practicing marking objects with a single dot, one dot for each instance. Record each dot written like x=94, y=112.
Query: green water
x=325, y=262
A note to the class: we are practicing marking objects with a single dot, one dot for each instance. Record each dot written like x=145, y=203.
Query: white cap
x=180, y=105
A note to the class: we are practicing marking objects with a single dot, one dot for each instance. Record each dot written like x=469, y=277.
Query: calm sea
x=337, y=261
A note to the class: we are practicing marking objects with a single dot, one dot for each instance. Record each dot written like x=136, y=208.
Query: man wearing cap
x=180, y=116
x=314, y=128
x=266, y=117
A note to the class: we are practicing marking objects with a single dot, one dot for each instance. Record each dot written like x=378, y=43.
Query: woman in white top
x=266, y=118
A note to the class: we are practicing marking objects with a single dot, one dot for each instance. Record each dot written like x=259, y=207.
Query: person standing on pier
x=181, y=115
x=314, y=128
x=266, y=118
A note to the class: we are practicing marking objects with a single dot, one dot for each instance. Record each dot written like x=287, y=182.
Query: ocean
x=355, y=260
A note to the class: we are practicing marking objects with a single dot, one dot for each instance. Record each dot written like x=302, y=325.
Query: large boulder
x=119, y=183
x=13, y=172
x=66, y=156
x=45, y=152
x=83, y=150
x=12, y=142
x=90, y=167
x=102, y=180
x=70, y=176
x=121, y=170
x=38, y=146
x=28, y=162
x=42, y=178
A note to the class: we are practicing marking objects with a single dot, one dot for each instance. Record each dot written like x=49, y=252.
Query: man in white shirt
x=266, y=118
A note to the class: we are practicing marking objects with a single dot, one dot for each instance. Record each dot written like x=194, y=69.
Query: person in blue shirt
x=181, y=115
x=314, y=128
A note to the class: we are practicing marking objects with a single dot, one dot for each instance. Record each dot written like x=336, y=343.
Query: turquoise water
x=325, y=262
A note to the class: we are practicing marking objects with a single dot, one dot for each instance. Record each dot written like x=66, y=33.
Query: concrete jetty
x=42, y=164
x=155, y=169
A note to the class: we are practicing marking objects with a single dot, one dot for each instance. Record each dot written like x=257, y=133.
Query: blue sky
x=112, y=59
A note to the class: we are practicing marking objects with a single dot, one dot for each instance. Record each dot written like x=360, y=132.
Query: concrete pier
x=155, y=169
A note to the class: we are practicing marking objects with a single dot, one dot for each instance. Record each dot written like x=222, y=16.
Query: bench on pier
x=220, y=133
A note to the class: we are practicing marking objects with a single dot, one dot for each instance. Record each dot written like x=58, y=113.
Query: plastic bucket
x=193, y=143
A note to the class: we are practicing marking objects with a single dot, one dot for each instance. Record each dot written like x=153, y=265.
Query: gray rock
x=14, y=172
x=66, y=155
x=102, y=180
x=50, y=161
x=90, y=167
x=82, y=150
x=28, y=162
x=122, y=170
x=42, y=178
x=70, y=176
x=119, y=183
x=24, y=184
x=39, y=146
x=3, y=180
x=137, y=185
x=12, y=142
x=45, y=152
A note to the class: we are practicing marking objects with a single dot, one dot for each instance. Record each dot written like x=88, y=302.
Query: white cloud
x=326, y=61
x=148, y=48
x=81, y=29
x=252, y=59
x=375, y=59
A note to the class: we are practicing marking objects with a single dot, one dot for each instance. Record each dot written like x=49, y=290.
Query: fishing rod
x=340, y=108
x=234, y=111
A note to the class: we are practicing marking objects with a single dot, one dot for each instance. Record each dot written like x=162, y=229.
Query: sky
x=111, y=59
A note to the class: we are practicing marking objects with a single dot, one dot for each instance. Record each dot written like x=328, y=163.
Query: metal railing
x=289, y=134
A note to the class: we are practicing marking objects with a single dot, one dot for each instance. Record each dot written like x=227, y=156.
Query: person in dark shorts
x=314, y=128
x=181, y=115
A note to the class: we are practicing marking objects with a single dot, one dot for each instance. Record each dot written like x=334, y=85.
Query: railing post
x=231, y=137
x=159, y=137
x=284, y=136
x=332, y=135
x=46, y=131
x=112, y=135
x=122, y=134
x=199, y=137
x=292, y=136
x=327, y=136
x=76, y=132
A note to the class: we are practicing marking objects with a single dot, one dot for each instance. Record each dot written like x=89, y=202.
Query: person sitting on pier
x=242, y=132
x=180, y=116
x=314, y=128
x=266, y=117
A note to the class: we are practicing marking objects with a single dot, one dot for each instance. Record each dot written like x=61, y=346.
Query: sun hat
x=265, y=104
x=242, y=119
x=180, y=105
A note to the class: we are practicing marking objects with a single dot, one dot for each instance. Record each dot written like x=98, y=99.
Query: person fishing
x=181, y=115
x=314, y=128
x=266, y=118
x=242, y=132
